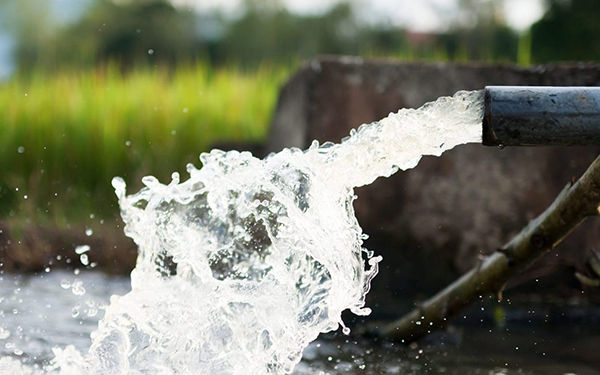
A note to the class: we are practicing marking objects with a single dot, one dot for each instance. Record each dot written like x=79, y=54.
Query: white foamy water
x=243, y=264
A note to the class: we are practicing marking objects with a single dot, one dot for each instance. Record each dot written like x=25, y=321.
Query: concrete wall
x=439, y=218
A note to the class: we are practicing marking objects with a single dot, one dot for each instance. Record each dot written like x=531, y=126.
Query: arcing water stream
x=242, y=265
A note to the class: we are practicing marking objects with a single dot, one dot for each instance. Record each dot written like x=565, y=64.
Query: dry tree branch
x=575, y=202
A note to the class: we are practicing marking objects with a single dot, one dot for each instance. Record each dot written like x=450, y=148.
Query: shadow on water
x=467, y=350
x=60, y=308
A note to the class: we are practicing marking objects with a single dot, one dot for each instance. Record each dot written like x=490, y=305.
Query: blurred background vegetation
x=95, y=88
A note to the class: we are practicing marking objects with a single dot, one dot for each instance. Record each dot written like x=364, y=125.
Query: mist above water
x=245, y=263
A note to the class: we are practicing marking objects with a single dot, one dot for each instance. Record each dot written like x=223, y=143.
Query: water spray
x=247, y=261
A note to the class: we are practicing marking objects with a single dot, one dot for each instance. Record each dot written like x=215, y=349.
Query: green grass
x=64, y=136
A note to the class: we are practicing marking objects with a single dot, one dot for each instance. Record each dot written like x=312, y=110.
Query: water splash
x=242, y=265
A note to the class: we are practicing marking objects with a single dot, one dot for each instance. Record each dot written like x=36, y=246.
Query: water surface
x=49, y=310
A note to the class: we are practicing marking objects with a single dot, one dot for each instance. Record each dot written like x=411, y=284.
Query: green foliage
x=274, y=34
x=155, y=33
x=8, y=199
x=524, y=49
x=484, y=42
x=570, y=30
x=63, y=137
x=33, y=28
x=483, y=34
x=150, y=32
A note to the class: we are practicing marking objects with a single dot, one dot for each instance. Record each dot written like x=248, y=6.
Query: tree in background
x=131, y=32
x=31, y=25
x=272, y=33
x=570, y=30
x=155, y=32
x=128, y=32
x=480, y=33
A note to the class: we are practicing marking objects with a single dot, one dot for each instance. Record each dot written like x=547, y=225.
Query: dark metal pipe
x=527, y=116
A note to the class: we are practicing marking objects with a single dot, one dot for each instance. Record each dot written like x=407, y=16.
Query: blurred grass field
x=63, y=136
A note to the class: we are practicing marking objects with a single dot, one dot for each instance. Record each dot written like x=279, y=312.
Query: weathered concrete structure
x=437, y=219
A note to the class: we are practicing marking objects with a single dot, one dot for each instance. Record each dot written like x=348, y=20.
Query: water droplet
x=47, y=269
x=150, y=51
x=21, y=149
x=4, y=333
x=65, y=284
x=89, y=232
x=150, y=181
x=82, y=249
x=127, y=143
x=83, y=258
x=77, y=288
x=119, y=185
x=500, y=146
x=75, y=311
x=92, y=311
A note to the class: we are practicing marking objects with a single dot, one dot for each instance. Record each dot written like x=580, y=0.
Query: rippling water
x=40, y=312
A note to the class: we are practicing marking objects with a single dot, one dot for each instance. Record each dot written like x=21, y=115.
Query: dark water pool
x=60, y=308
